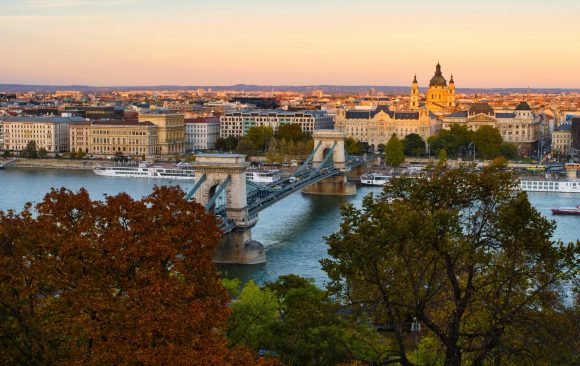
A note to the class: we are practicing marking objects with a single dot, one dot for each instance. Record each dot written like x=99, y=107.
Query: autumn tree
x=260, y=136
x=394, y=154
x=463, y=254
x=124, y=282
x=290, y=131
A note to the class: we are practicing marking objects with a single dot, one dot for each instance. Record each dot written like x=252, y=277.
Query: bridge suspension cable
x=308, y=160
x=217, y=193
x=195, y=188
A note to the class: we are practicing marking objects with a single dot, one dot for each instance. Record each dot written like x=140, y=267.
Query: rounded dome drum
x=438, y=79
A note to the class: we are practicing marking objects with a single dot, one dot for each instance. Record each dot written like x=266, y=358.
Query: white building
x=237, y=123
x=50, y=133
x=201, y=133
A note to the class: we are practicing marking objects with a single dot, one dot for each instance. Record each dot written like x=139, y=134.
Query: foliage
x=394, y=154
x=353, y=146
x=42, y=153
x=260, y=136
x=290, y=131
x=487, y=142
x=284, y=150
x=7, y=154
x=465, y=254
x=508, y=150
x=30, y=151
x=300, y=324
x=226, y=144
x=246, y=146
x=414, y=145
x=442, y=156
x=125, y=282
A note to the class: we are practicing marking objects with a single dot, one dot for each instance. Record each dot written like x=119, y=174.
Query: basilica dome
x=438, y=79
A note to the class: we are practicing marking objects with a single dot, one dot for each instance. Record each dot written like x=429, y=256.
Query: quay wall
x=53, y=164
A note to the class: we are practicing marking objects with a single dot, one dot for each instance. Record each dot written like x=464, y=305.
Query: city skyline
x=515, y=44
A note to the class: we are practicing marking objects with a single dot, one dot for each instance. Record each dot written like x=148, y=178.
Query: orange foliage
x=124, y=282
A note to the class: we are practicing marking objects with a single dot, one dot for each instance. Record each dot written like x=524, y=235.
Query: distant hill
x=331, y=89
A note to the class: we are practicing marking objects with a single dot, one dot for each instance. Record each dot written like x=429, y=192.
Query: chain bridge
x=222, y=187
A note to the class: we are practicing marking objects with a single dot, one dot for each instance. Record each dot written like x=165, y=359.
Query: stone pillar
x=237, y=247
x=337, y=185
x=327, y=138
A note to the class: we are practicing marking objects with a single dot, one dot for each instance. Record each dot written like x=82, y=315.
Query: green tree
x=488, y=141
x=394, y=154
x=508, y=150
x=463, y=252
x=442, y=156
x=414, y=145
x=353, y=146
x=260, y=136
x=6, y=153
x=30, y=151
x=291, y=131
x=246, y=146
x=226, y=144
x=42, y=153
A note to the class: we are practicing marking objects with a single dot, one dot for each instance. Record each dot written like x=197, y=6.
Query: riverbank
x=53, y=164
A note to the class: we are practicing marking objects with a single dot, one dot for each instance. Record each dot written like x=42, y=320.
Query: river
x=292, y=230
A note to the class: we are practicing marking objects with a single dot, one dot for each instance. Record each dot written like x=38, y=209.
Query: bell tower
x=451, y=94
x=415, y=94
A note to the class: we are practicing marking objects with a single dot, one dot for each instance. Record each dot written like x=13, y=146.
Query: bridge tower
x=225, y=174
x=331, y=141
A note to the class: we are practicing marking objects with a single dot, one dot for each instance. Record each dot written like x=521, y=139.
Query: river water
x=292, y=230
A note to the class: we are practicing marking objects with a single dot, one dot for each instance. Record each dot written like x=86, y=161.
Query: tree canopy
x=290, y=131
x=414, y=145
x=124, y=282
x=260, y=136
x=394, y=154
x=31, y=150
x=467, y=257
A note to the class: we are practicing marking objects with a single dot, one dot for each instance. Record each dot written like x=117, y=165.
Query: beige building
x=520, y=126
x=171, y=131
x=376, y=127
x=49, y=133
x=439, y=95
x=562, y=141
x=109, y=137
x=79, y=136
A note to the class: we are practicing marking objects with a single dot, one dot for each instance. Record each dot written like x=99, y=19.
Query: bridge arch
x=329, y=139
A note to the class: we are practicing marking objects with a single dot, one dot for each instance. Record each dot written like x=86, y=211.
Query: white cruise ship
x=374, y=179
x=263, y=176
x=145, y=170
x=558, y=186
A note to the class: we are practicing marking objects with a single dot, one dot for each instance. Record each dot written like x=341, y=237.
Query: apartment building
x=237, y=123
x=109, y=137
x=171, y=130
x=49, y=133
x=201, y=133
x=562, y=140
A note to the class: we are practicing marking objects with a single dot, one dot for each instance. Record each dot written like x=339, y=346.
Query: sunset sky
x=484, y=43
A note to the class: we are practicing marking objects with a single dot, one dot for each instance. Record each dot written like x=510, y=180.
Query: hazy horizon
x=108, y=43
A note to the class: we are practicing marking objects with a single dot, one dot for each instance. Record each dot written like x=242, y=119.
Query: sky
x=483, y=43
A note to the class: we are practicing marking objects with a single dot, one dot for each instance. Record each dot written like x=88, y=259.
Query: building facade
x=49, y=133
x=79, y=136
x=237, y=123
x=562, y=141
x=439, y=95
x=171, y=132
x=376, y=127
x=201, y=133
x=520, y=126
x=110, y=137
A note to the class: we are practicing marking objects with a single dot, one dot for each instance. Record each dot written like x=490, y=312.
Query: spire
x=438, y=69
x=451, y=80
x=415, y=79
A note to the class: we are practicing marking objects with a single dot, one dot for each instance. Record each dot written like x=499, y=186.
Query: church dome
x=523, y=106
x=438, y=79
x=481, y=108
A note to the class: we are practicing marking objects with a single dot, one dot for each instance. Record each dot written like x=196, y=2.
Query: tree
x=6, y=153
x=30, y=151
x=394, y=154
x=246, y=146
x=291, y=131
x=260, y=136
x=353, y=146
x=464, y=253
x=442, y=156
x=226, y=144
x=42, y=153
x=487, y=141
x=414, y=145
x=116, y=282
x=508, y=150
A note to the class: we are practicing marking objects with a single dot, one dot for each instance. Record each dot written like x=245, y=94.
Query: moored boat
x=556, y=186
x=145, y=170
x=374, y=179
x=566, y=211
